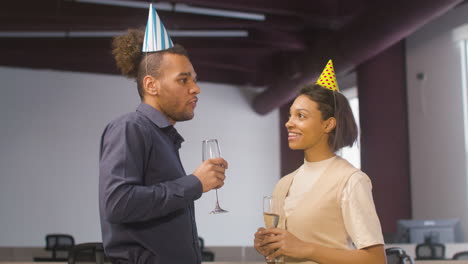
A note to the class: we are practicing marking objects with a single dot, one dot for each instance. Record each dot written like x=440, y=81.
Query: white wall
x=51, y=124
x=436, y=120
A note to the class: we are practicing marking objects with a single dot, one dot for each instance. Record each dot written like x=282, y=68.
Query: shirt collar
x=176, y=138
x=318, y=164
x=162, y=122
x=154, y=115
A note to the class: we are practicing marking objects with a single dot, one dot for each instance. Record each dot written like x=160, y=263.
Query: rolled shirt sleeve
x=359, y=214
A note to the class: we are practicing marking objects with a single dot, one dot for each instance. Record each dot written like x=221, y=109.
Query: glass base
x=218, y=210
x=278, y=260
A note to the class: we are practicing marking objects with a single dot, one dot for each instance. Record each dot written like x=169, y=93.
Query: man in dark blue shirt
x=146, y=197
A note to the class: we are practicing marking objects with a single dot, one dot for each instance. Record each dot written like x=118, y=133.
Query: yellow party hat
x=328, y=78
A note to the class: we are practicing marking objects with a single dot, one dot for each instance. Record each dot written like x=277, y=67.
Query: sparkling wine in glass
x=271, y=215
x=210, y=149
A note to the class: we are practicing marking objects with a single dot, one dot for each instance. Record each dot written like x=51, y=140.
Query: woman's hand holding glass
x=272, y=210
x=277, y=242
x=259, y=243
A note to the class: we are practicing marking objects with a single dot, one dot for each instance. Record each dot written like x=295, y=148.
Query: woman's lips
x=293, y=136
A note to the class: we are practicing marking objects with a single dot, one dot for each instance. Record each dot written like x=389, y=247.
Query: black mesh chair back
x=460, y=255
x=430, y=251
x=396, y=255
x=57, y=243
x=205, y=254
x=87, y=252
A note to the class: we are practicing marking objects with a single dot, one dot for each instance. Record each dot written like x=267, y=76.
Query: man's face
x=177, y=95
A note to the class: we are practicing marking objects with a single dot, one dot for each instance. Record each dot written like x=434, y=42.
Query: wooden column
x=384, y=133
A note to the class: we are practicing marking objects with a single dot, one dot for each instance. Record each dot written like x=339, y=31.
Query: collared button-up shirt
x=146, y=198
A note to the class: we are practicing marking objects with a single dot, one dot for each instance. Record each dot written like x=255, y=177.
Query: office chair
x=205, y=254
x=429, y=250
x=396, y=255
x=57, y=243
x=460, y=255
x=87, y=252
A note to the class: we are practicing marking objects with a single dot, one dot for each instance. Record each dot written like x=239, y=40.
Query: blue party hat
x=156, y=37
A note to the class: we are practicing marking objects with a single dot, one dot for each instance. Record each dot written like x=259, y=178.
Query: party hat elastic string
x=156, y=36
x=328, y=81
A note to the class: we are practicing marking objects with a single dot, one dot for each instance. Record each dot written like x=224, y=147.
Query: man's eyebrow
x=185, y=74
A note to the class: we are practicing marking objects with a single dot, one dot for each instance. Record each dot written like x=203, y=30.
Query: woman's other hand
x=282, y=243
x=258, y=242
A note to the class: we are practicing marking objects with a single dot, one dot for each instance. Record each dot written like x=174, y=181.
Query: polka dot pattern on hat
x=328, y=78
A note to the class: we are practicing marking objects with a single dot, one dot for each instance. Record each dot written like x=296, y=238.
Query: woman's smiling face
x=306, y=128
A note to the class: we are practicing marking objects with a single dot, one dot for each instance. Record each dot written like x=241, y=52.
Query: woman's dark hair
x=135, y=64
x=334, y=104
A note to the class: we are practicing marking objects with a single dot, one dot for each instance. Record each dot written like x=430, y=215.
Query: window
x=353, y=154
x=464, y=53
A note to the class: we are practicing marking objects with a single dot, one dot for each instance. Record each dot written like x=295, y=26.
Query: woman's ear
x=330, y=124
x=151, y=85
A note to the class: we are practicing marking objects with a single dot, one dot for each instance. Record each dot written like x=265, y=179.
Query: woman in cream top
x=329, y=214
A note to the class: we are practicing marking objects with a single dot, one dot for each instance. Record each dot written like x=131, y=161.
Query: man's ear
x=331, y=124
x=151, y=85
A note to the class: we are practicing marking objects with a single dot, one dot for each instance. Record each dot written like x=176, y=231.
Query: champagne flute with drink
x=210, y=149
x=271, y=215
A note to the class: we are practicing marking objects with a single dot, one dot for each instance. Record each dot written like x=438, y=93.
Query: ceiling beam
x=74, y=14
x=380, y=28
x=302, y=8
x=115, y=22
x=256, y=37
x=239, y=66
x=76, y=61
x=238, y=59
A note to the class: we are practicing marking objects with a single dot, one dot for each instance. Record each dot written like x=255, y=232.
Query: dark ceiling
x=288, y=48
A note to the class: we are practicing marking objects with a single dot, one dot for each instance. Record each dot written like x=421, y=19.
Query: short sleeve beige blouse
x=358, y=209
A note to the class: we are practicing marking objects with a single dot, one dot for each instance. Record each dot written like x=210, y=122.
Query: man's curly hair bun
x=127, y=52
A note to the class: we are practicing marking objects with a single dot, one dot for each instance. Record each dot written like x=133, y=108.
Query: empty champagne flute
x=271, y=215
x=210, y=149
